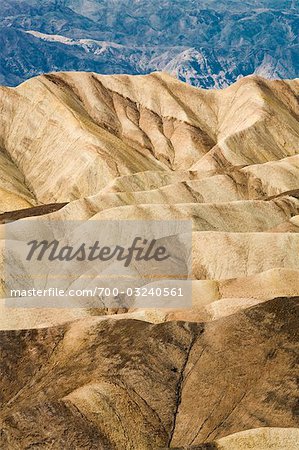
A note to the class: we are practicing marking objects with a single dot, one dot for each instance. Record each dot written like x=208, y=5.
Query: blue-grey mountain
x=207, y=43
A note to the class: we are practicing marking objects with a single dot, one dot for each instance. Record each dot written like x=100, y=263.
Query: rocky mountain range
x=204, y=42
x=222, y=374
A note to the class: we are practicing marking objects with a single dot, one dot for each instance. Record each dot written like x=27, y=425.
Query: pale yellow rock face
x=83, y=146
x=85, y=130
x=150, y=147
x=256, y=439
x=262, y=439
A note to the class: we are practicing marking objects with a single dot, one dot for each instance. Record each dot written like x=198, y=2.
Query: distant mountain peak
x=206, y=43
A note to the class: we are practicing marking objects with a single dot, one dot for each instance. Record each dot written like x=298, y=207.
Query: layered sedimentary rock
x=257, y=439
x=80, y=146
x=133, y=385
x=98, y=147
x=100, y=128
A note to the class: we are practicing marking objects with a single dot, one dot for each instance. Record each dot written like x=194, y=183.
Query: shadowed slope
x=129, y=384
x=80, y=146
x=103, y=127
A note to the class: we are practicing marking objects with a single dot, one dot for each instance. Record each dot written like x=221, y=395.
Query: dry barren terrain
x=220, y=375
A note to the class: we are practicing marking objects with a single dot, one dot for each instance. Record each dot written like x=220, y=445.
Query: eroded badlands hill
x=150, y=147
x=67, y=136
x=132, y=385
x=91, y=147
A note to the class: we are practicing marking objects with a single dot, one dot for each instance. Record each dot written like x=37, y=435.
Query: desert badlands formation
x=220, y=375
